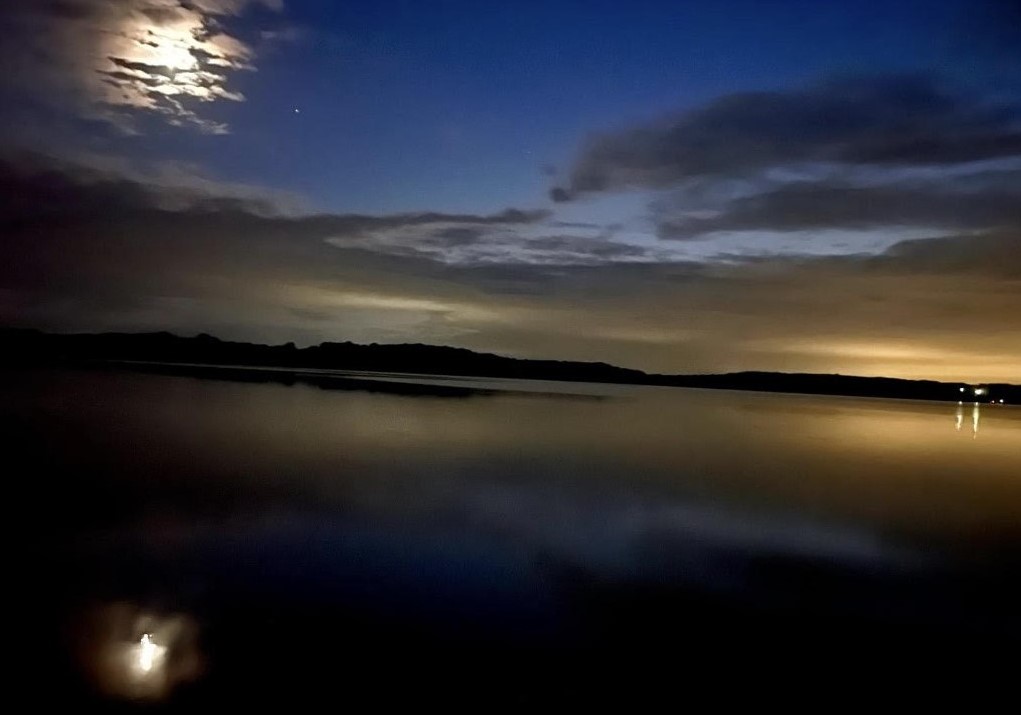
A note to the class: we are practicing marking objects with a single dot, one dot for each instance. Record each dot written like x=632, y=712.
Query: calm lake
x=395, y=528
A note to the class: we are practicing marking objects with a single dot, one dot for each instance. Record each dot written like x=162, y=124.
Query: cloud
x=117, y=60
x=988, y=200
x=42, y=184
x=468, y=240
x=108, y=248
x=992, y=256
x=39, y=188
x=874, y=121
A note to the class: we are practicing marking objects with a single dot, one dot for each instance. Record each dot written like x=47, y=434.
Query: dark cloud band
x=881, y=122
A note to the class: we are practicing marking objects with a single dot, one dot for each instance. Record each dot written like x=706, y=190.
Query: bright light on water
x=149, y=655
x=132, y=653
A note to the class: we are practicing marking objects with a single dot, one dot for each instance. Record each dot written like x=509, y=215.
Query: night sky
x=670, y=186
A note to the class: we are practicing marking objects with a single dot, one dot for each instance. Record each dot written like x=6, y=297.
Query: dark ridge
x=20, y=347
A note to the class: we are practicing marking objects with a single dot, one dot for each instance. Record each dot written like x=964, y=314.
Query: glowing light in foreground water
x=137, y=654
x=150, y=655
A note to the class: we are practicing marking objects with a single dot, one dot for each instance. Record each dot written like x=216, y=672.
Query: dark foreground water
x=477, y=544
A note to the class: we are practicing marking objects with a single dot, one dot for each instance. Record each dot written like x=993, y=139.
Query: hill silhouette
x=191, y=354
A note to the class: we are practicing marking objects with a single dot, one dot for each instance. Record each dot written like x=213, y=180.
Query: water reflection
x=959, y=419
x=209, y=446
x=133, y=653
x=149, y=656
x=287, y=507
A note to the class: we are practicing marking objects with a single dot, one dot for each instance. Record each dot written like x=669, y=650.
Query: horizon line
x=284, y=345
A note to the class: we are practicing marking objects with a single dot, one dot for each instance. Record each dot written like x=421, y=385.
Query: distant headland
x=24, y=348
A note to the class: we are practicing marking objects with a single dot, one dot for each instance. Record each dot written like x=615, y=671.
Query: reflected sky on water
x=496, y=509
x=892, y=464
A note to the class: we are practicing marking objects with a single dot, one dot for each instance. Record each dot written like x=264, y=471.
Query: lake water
x=270, y=533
